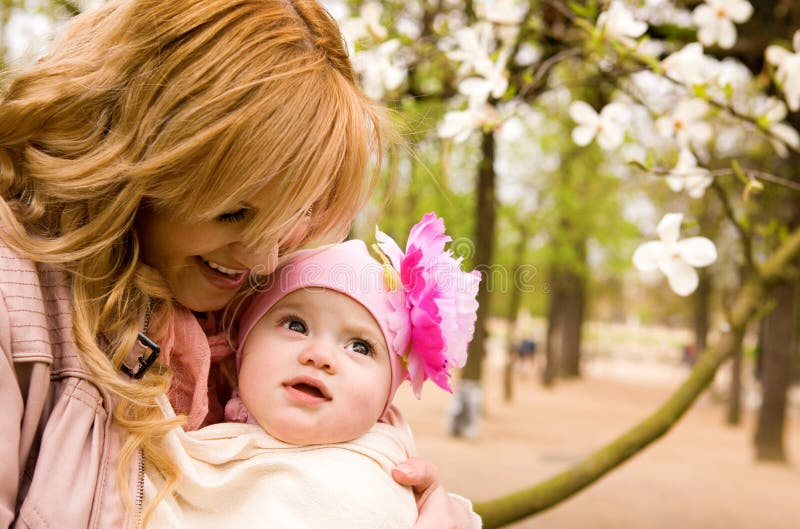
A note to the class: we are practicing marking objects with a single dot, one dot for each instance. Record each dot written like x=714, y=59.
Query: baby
x=323, y=350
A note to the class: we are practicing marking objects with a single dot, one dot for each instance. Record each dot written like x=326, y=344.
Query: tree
x=777, y=349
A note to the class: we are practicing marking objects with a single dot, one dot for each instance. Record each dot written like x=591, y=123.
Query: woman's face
x=206, y=263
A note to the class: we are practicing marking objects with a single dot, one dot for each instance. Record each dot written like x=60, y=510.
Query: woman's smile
x=222, y=277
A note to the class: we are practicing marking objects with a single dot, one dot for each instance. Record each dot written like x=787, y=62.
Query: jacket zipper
x=139, y=499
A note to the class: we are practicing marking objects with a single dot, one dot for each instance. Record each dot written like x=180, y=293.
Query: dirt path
x=701, y=475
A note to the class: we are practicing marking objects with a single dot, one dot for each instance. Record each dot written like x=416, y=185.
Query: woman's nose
x=319, y=354
x=261, y=263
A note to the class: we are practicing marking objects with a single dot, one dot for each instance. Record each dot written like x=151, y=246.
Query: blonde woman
x=158, y=158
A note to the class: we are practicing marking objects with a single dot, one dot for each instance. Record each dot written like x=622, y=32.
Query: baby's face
x=315, y=369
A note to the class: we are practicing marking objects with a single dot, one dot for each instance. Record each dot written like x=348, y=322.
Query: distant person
x=689, y=354
x=526, y=350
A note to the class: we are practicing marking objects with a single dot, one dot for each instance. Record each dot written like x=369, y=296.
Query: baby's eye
x=361, y=347
x=295, y=325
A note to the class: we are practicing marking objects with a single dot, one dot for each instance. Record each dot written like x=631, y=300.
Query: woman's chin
x=199, y=301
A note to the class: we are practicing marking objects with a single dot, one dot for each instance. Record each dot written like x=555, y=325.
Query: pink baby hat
x=347, y=268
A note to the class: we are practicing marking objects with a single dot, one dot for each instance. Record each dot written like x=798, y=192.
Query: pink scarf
x=194, y=348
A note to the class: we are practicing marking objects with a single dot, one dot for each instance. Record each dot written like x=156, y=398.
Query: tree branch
x=747, y=247
x=517, y=505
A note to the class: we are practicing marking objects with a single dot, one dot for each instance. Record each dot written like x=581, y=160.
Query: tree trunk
x=734, y=416
x=775, y=376
x=513, y=311
x=565, y=319
x=463, y=420
x=573, y=307
x=553, y=338
x=702, y=306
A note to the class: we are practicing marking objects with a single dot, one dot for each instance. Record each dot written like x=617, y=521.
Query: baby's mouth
x=309, y=390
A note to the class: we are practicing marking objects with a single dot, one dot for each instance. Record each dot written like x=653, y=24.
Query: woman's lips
x=218, y=278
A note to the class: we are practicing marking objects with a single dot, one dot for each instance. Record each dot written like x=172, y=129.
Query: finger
x=436, y=512
x=419, y=474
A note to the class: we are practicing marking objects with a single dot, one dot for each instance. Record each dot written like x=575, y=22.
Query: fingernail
x=405, y=468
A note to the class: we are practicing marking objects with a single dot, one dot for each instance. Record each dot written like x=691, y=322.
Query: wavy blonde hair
x=180, y=106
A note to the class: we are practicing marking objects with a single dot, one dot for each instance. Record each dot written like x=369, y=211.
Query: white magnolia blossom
x=788, y=74
x=652, y=48
x=663, y=12
x=493, y=81
x=686, y=124
x=379, y=73
x=473, y=48
x=527, y=54
x=505, y=12
x=618, y=22
x=408, y=26
x=686, y=175
x=675, y=257
x=730, y=72
x=781, y=134
x=689, y=65
x=608, y=126
x=460, y=124
x=367, y=24
x=732, y=83
x=714, y=20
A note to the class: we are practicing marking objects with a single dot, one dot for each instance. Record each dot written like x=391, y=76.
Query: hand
x=437, y=510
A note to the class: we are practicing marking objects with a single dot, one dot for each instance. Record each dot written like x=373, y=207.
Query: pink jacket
x=58, y=443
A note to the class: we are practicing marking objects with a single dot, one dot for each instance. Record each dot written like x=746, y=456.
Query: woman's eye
x=361, y=347
x=295, y=326
x=233, y=216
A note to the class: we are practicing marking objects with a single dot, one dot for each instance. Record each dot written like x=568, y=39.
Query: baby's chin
x=310, y=438
x=299, y=427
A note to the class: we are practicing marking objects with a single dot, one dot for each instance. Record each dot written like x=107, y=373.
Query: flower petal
x=739, y=11
x=583, y=113
x=669, y=228
x=611, y=137
x=389, y=247
x=583, y=134
x=697, y=251
x=703, y=15
x=674, y=182
x=777, y=54
x=707, y=35
x=682, y=278
x=619, y=113
x=786, y=134
x=726, y=36
x=647, y=255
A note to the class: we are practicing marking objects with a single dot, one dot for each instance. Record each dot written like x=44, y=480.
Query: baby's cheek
x=249, y=386
x=372, y=403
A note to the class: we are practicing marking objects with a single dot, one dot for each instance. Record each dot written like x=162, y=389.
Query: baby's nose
x=319, y=354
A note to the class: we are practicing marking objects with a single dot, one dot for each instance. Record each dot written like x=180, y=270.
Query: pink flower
x=434, y=307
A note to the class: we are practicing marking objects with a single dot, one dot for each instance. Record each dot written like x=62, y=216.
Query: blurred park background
x=556, y=138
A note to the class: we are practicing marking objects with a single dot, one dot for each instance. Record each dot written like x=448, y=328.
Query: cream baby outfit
x=237, y=476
